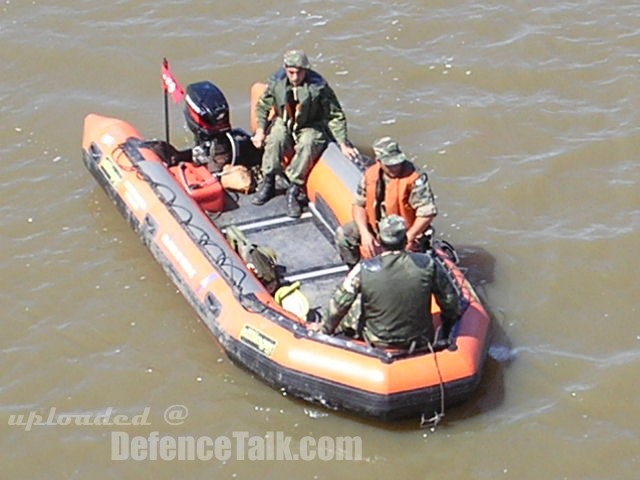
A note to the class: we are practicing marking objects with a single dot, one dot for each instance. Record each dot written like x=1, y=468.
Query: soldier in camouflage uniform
x=390, y=186
x=306, y=110
x=387, y=299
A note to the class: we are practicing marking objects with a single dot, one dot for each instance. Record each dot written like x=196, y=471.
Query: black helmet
x=206, y=110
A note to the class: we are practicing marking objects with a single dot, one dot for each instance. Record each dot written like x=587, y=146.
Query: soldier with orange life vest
x=391, y=186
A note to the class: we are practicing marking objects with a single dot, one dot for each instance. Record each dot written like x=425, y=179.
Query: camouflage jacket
x=318, y=106
x=396, y=289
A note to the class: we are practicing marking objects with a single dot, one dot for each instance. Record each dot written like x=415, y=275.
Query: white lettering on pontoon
x=180, y=257
x=133, y=197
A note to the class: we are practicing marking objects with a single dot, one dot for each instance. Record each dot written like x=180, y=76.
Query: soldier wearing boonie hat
x=296, y=59
x=305, y=108
x=391, y=186
x=393, y=232
x=387, y=299
x=388, y=152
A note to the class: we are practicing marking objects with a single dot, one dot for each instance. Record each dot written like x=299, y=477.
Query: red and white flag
x=171, y=84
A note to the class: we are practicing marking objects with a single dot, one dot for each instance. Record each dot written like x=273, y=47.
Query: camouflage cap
x=388, y=151
x=297, y=59
x=393, y=230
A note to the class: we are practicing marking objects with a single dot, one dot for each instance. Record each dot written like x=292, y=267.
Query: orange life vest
x=396, y=194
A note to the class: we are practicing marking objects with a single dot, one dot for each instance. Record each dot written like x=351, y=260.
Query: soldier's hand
x=369, y=244
x=315, y=327
x=258, y=139
x=348, y=151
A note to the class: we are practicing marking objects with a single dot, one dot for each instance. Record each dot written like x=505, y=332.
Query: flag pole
x=165, y=64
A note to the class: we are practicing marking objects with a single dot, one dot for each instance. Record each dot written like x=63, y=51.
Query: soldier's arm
x=447, y=297
x=421, y=198
x=263, y=107
x=335, y=117
x=342, y=300
x=418, y=227
x=423, y=202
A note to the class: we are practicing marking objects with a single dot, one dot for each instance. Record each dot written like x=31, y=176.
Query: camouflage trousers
x=351, y=323
x=347, y=240
x=307, y=144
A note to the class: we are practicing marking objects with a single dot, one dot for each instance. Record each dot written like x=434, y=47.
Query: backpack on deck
x=259, y=259
x=237, y=178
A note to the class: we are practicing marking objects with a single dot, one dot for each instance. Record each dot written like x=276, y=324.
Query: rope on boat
x=221, y=259
x=459, y=288
x=122, y=151
x=437, y=416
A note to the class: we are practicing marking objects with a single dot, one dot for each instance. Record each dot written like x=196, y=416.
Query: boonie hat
x=393, y=230
x=297, y=59
x=388, y=152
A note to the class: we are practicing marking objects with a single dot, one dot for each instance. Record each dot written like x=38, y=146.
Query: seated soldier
x=387, y=299
x=391, y=186
x=305, y=107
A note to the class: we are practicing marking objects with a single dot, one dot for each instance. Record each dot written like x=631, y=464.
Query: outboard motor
x=206, y=111
x=207, y=114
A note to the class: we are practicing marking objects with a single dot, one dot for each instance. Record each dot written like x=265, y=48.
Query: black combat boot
x=266, y=190
x=294, y=210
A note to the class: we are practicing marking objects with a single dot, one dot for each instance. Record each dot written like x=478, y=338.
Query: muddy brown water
x=527, y=116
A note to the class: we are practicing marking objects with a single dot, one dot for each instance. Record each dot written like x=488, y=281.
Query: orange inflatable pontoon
x=255, y=331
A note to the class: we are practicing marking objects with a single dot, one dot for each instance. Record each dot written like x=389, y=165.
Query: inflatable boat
x=181, y=212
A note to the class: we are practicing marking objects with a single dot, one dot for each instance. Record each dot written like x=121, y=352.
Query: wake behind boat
x=181, y=211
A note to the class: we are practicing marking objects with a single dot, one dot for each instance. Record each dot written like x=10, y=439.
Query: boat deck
x=304, y=246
